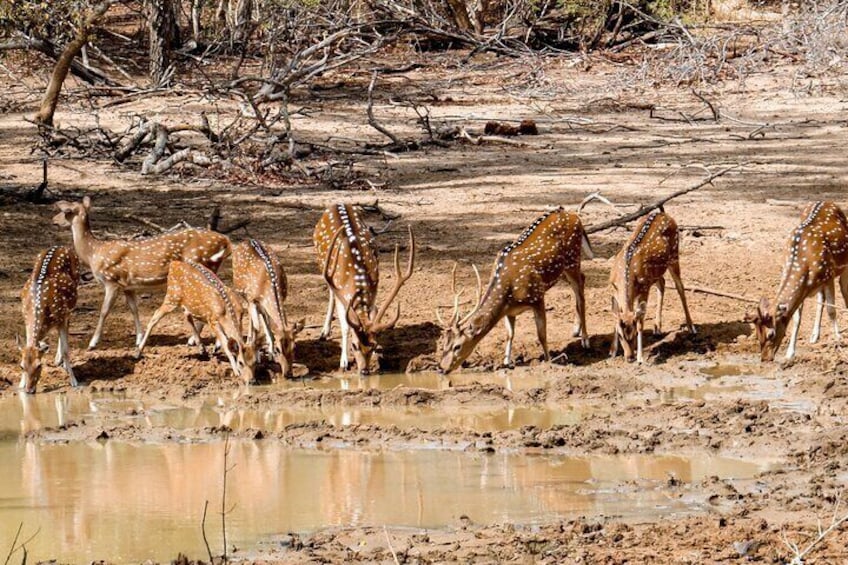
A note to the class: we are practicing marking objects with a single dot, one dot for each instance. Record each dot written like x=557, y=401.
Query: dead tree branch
x=645, y=209
x=372, y=121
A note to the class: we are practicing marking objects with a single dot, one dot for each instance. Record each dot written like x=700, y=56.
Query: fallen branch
x=710, y=291
x=372, y=121
x=645, y=209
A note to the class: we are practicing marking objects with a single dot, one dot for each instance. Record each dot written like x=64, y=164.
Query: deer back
x=199, y=290
x=258, y=274
x=355, y=268
x=643, y=260
x=50, y=294
x=526, y=268
x=144, y=262
x=817, y=252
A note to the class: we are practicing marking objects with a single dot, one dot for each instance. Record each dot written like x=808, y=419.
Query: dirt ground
x=465, y=202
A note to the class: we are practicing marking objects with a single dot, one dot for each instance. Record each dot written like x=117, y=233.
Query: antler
x=479, y=294
x=353, y=321
x=400, y=279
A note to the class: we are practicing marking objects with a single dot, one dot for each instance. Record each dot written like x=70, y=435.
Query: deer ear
x=751, y=317
x=86, y=202
x=63, y=206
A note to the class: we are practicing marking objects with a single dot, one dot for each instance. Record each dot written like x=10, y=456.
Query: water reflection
x=26, y=413
x=133, y=502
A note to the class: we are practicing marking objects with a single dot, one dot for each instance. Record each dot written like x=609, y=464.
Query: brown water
x=131, y=502
x=24, y=413
x=433, y=381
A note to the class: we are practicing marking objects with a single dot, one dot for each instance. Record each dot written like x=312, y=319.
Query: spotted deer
x=260, y=278
x=133, y=265
x=817, y=255
x=651, y=250
x=523, y=272
x=203, y=296
x=47, y=300
x=347, y=256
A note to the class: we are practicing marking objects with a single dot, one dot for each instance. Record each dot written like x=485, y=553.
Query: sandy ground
x=465, y=202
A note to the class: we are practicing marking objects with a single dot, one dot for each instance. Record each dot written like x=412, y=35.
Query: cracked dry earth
x=700, y=455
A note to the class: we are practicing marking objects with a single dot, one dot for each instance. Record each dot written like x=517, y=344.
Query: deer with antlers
x=347, y=256
x=651, y=250
x=203, y=297
x=260, y=278
x=817, y=256
x=133, y=265
x=523, y=272
x=47, y=300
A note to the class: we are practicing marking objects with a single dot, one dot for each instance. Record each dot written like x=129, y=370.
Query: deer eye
x=456, y=348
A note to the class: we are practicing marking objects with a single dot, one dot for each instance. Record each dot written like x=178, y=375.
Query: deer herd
x=186, y=262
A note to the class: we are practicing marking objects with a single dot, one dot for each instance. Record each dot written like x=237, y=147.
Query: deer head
x=461, y=335
x=30, y=363
x=284, y=347
x=627, y=327
x=72, y=212
x=367, y=328
x=770, y=328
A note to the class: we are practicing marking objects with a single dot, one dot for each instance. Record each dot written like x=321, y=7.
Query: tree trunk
x=164, y=36
x=196, y=13
x=459, y=14
x=63, y=64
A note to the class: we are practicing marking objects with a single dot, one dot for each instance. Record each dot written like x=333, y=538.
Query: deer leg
x=57, y=360
x=614, y=345
x=830, y=300
x=542, y=327
x=796, y=325
x=814, y=337
x=345, y=327
x=66, y=356
x=195, y=334
x=111, y=292
x=578, y=282
x=129, y=295
x=509, y=322
x=328, y=320
x=160, y=313
x=265, y=318
x=674, y=269
x=660, y=296
x=640, y=326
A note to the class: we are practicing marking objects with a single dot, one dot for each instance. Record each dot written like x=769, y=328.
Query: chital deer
x=348, y=259
x=523, y=272
x=47, y=300
x=259, y=277
x=134, y=265
x=203, y=296
x=817, y=256
x=651, y=250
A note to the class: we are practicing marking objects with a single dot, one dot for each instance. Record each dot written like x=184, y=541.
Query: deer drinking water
x=817, y=255
x=203, y=296
x=133, y=265
x=523, y=272
x=47, y=300
x=651, y=250
x=260, y=278
x=347, y=256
